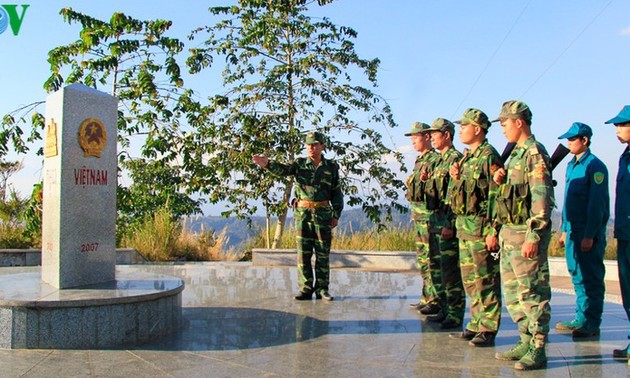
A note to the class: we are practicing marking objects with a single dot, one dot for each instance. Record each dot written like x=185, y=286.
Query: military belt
x=312, y=204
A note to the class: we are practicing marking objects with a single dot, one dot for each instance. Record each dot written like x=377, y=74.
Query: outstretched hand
x=260, y=160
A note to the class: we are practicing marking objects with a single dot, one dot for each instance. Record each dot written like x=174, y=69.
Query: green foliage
x=33, y=216
x=12, y=222
x=285, y=74
x=137, y=62
x=154, y=185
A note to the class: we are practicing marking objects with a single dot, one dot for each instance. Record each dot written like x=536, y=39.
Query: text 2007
x=89, y=247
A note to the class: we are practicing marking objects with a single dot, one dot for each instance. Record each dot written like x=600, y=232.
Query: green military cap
x=442, y=124
x=418, y=128
x=315, y=137
x=514, y=109
x=475, y=117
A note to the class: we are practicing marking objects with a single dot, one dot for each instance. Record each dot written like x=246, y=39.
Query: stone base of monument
x=135, y=308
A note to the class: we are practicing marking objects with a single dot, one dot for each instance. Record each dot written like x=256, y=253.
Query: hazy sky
x=569, y=60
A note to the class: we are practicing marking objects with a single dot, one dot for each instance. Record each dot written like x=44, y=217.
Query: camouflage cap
x=418, y=128
x=475, y=117
x=514, y=109
x=442, y=124
x=315, y=137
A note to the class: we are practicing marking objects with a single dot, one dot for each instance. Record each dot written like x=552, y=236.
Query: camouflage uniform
x=427, y=245
x=472, y=196
x=523, y=213
x=523, y=209
x=313, y=225
x=452, y=300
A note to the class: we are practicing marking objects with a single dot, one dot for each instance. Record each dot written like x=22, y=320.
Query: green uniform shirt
x=440, y=179
x=415, y=186
x=474, y=193
x=313, y=183
x=526, y=197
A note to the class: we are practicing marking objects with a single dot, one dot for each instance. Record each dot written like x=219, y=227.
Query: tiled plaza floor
x=241, y=321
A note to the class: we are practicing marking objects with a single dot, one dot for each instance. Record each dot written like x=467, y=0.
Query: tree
x=7, y=169
x=287, y=73
x=135, y=61
x=153, y=186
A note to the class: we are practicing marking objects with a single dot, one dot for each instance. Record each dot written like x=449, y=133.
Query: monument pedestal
x=130, y=310
x=80, y=299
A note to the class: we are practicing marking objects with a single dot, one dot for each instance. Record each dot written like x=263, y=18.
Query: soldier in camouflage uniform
x=522, y=217
x=453, y=301
x=472, y=193
x=427, y=247
x=318, y=206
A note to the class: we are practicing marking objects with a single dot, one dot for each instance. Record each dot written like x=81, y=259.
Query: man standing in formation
x=584, y=217
x=472, y=195
x=427, y=248
x=622, y=216
x=523, y=215
x=319, y=202
x=453, y=300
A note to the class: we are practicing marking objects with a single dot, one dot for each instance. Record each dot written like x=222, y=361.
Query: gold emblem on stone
x=92, y=137
x=50, y=146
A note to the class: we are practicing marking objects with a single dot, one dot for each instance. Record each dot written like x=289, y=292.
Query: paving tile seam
x=37, y=363
x=145, y=361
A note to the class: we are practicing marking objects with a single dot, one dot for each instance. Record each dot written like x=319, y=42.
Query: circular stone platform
x=135, y=308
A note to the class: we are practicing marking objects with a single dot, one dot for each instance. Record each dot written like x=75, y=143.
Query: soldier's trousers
x=428, y=262
x=314, y=234
x=454, y=298
x=482, y=282
x=526, y=282
x=623, y=264
x=587, y=274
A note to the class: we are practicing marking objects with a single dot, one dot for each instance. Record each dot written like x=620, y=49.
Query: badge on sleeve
x=598, y=177
x=539, y=171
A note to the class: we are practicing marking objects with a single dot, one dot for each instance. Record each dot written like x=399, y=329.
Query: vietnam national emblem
x=92, y=137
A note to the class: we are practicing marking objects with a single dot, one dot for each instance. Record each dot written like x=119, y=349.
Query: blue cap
x=577, y=129
x=622, y=117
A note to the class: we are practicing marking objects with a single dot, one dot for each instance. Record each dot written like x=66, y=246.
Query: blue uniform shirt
x=586, y=199
x=622, y=199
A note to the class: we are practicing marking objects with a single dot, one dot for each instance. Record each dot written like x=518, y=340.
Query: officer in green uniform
x=427, y=246
x=318, y=206
x=584, y=218
x=622, y=217
x=523, y=221
x=453, y=301
x=472, y=193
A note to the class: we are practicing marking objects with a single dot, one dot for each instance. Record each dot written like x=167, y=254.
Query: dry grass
x=161, y=238
x=398, y=238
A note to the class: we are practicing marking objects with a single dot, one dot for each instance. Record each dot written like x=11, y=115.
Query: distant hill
x=352, y=220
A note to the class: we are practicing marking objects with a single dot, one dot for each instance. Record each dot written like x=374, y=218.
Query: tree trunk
x=282, y=217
